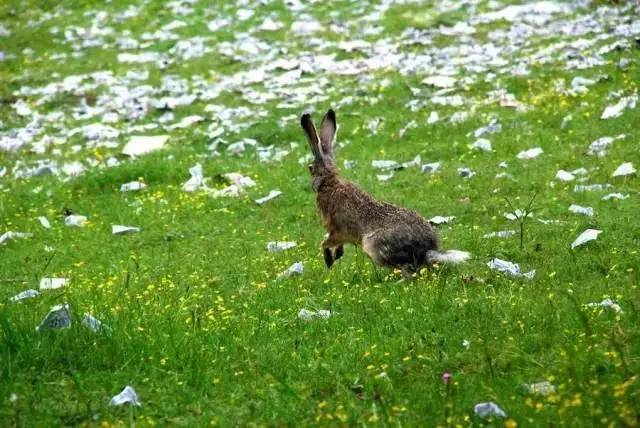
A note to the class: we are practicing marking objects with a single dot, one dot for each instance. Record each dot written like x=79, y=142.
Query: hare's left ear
x=312, y=136
x=328, y=133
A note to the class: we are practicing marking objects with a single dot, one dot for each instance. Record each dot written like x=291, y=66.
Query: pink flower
x=446, y=377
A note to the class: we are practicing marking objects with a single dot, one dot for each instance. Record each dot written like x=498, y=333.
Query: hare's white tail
x=451, y=256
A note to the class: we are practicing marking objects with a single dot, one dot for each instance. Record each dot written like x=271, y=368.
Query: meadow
x=498, y=116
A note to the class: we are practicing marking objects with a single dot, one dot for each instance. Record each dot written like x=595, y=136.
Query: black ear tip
x=306, y=118
x=331, y=114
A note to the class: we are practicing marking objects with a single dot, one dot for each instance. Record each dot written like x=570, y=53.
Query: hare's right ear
x=312, y=135
x=328, y=129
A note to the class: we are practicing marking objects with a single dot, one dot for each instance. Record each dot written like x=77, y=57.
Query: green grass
x=204, y=332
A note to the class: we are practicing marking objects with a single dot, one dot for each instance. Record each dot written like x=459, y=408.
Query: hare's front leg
x=332, y=241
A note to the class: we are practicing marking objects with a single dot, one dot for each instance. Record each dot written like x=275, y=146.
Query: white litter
x=132, y=186
x=530, y=154
x=441, y=220
x=272, y=195
x=44, y=222
x=412, y=163
x=196, y=181
x=509, y=268
x=117, y=229
x=278, y=246
x=139, y=145
x=385, y=165
x=14, y=235
x=433, y=117
x=295, y=269
x=440, y=81
x=563, y=175
x=590, y=187
x=58, y=317
x=614, y=196
x=485, y=410
x=517, y=214
x=607, y=303
x=430, y=167
x=384, y=177
x=75, y=220
x=307, y=315
x=94, y=324
x=500, y=234
x=577, y=209
x=599, y=146
x=540, y=388
x=481, y=144
x=465, y=172
x=586, y=236
x=26, y=294
x=128, y=395
x=617, y=109
x=625, y=169
x=52, y=283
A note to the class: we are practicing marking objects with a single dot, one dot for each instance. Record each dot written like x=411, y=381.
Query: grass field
x=199, y=322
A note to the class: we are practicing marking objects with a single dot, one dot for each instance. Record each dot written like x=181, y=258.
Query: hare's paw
x=328, y=257
x=339, y=252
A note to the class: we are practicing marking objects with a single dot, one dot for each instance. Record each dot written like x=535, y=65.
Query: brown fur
x=390, y=235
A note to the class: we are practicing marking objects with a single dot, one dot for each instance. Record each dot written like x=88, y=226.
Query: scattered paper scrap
x=278, y=246
x=196, y=181
x=295, y=269
x=563, y=175
x=128, y=395
x=530, y=154
x=625, y=169
x=272, y=195
x=577, y=209
x=94, y=324
x=441, y=219
x=117, y=229
x=52, y=283
x=614, y=196
x=586, y=236
x=26, y=294
x=540, y=388
x=500, y=234
x=44, y=222
x=75, y=220
x=307, y=315
x=132, y=186
x=13, y=235
x=430, y=168
x=606, y=303
x=616, y=110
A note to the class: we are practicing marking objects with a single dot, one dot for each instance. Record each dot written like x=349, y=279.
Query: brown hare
x=391, y=236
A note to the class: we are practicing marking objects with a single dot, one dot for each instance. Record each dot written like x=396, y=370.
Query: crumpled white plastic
x=530, y=154
x=75, y=220
x=441, y=219
x=485, y=410
x=140, y=145
x=606, y=303
x=509, y=268
x=26, y=294
x=577, y=209
x=295, y=269
x=118, y=229
x=586, y=236
x=278, y=246
x=540, y=388
x=128, y=395
x=58, y=317
x=624, y=169
x=132, y=186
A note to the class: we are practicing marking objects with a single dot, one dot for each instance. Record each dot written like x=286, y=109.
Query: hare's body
x=390, y=235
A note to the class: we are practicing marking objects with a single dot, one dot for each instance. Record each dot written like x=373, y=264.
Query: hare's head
x=321, y=146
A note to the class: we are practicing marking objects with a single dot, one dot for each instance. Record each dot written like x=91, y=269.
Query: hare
x=391, y=236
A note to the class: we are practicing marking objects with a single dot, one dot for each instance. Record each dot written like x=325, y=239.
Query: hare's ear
x=328, y=133
x=312, y=135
